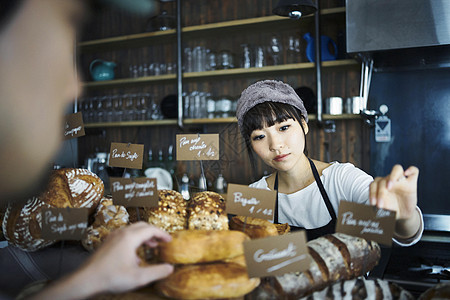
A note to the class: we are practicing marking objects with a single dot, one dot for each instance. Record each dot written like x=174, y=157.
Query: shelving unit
x=148, y=38
x=215, y=34
x=217, y=74
x=202, y=121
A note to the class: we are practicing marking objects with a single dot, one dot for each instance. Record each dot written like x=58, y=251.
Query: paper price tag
x=124, y=155
x=64, y=223
x=277, y=255
x=197, y=146
x=366, y=221
x=134, y=192
x=246, y=201
x=73, y=126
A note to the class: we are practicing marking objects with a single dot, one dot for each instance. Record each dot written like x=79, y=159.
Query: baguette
x=334, y=257
x=199, y=246
x=253, y=227
x=208, y=281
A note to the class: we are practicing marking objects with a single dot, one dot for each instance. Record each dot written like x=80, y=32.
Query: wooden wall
x=349, y=143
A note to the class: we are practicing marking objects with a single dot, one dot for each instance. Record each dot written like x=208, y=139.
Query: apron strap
x=321, y=188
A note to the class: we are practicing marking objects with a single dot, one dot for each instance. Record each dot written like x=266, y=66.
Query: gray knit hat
x=267, y=90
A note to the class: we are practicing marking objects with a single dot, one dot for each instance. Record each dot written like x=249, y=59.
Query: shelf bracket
x=317, y=64
x=179, y=67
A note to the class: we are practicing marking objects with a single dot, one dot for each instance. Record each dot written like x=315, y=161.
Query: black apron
x=317, y=232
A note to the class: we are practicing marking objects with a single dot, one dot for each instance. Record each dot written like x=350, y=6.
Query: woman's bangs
x=268, y=114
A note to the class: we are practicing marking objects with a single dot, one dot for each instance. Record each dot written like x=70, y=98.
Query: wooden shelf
x=129, y=81
x=289, y=68
x=202, y=121
x=146, y=38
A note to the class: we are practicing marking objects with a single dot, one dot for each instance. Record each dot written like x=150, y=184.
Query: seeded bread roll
x=171, y=213
x=108, y=218
x=253, y=227
x=73, y=188
x=206, y=211
x=208, y=281
x=200, y=246
x=334, y=257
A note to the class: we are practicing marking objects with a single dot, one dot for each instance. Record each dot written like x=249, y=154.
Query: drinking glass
x=275, y=49
x=118, y=108
x=246, y=57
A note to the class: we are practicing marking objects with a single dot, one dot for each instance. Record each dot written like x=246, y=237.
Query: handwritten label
x=126, y=155
x=246, y=201
x=134, y=192
x=64, y=223
x=277, y=255
x=198, y=147
x=366, y=221
x=73, y=126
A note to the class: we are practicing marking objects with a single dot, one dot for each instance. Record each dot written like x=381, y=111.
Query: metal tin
x=333, y=106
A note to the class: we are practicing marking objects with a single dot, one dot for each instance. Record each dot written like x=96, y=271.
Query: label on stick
x=64, y=223
x=197, y=146
x=246, y=201
x=134, y=192
x=124, y=155
x=366, y=221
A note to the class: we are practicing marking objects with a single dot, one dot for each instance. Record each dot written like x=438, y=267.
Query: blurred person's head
x=38, y=81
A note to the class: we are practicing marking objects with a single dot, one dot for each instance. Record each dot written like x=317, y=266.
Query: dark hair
x=267, y=114
x=8, y=8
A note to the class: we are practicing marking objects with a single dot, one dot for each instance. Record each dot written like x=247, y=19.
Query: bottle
x=150, y=160
x=170, y=161
x=220, y=185
x=202, y=185
x=184, y=189
x=161, y=163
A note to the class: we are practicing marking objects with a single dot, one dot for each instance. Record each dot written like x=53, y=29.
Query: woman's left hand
x=397, y=191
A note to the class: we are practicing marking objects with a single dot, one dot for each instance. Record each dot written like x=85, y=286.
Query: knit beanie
x=267, y=90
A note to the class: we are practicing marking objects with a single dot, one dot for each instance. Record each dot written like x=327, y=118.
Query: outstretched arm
x=114, y=267
x=398, y=192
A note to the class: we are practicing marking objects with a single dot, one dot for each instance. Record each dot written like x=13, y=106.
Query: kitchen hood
x=376, y=25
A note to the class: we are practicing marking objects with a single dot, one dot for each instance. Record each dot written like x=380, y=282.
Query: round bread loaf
x=73, y=188
x=171, y=213
x=108, y=217
x=253, y=227
x=199, y=246
x=206, y=211
x=208, y=281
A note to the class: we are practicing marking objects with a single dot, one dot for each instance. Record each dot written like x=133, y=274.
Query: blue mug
x=325, y=43
x=102, y=70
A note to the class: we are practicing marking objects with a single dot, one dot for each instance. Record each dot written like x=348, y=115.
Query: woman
x=274, y=124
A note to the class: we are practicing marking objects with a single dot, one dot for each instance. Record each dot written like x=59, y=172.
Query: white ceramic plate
x=163, y=178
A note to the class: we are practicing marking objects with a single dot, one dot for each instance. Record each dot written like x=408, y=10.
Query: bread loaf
x=361, y=288
x=253, y=227
x=206, y=211
x=199, y=246
x=73, y=188
x=108, y=218
x=439, y=291
x=283, y=228
x=171, y=213
x=207, y=281
x=334, y=257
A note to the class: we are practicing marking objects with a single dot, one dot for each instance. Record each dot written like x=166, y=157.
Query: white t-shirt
x=306, y=208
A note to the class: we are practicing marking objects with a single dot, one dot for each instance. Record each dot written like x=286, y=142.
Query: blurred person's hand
x=115, y=267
